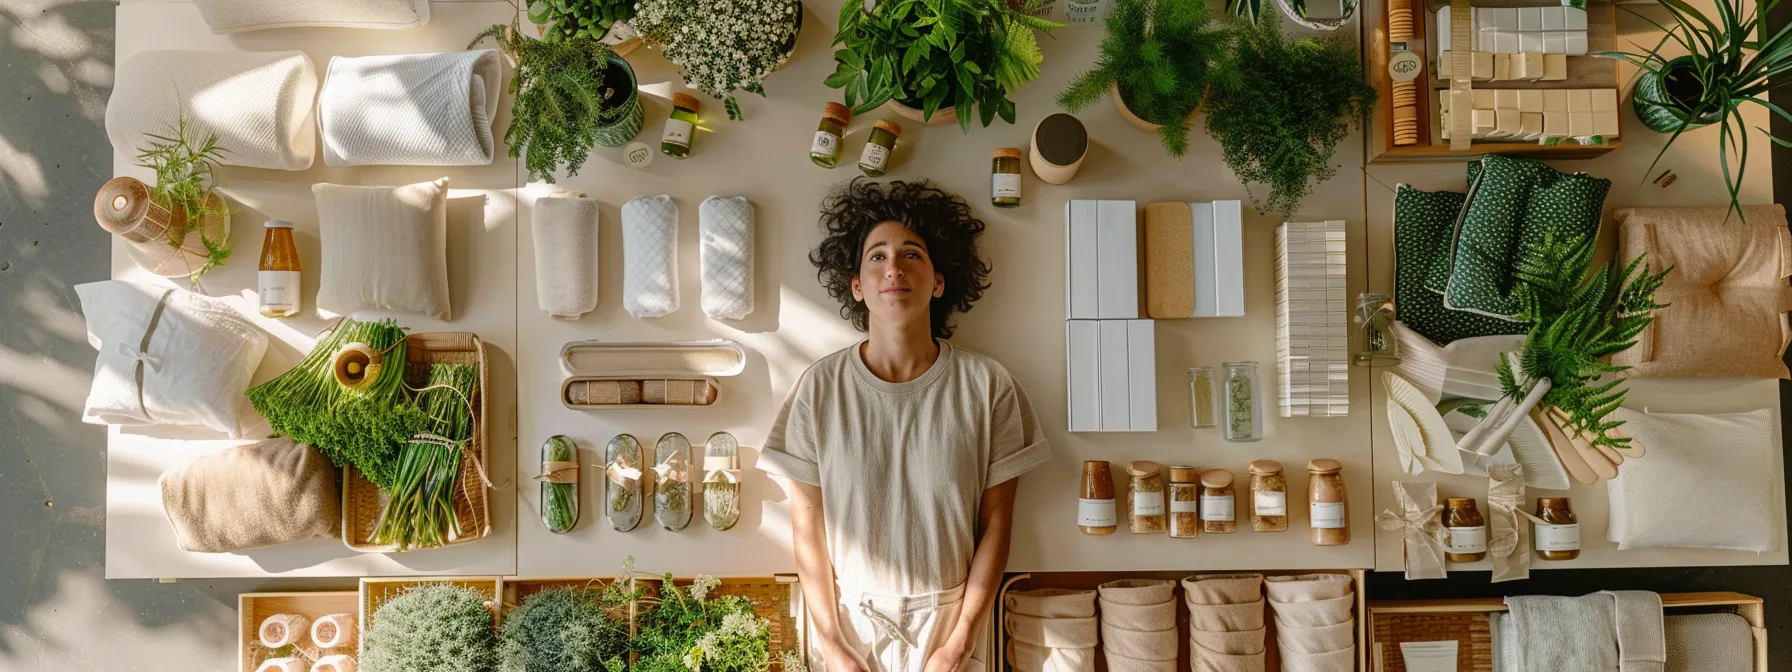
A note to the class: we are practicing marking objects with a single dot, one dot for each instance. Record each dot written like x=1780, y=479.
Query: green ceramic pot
x=1661, y=97
x=622, y=98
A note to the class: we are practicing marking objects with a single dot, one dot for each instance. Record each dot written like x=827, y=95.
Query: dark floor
x=56, y=610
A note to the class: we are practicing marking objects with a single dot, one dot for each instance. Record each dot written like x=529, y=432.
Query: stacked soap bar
x=1521, y=30
x=1312, y=328
x=1490, y=67
x=1534, y=114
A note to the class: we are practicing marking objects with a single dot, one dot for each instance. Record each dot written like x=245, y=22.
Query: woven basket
x=362, y=500
x=1471, y=629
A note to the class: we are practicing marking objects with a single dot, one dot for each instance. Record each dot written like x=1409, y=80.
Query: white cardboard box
x=1205, y=262
x=1081, y=255
x=1115, y=387
x=1228, y=250
x=1141, y=377
x=1083, y=367
x=1118, y=263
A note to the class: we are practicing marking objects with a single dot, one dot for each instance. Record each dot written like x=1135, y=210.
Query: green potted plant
x=1279, y=108
x=197, y=221
x=1729, y=62
x=607, y=21
x=692, y=628
x=956, y=58
x=722, y=46
x=567, y=629
x=1156, y=61
x=434, y=627
x=568, y=94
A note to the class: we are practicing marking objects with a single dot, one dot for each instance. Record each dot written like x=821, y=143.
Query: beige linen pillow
x=262, y=494
x=384, y=248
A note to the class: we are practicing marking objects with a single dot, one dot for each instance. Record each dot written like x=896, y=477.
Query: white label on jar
x=826, y=144
x=874, y=156
x=1148, y=503
x=1558, y=537
x=279, y=291
x=1218, y=508
x=1465, y=540
x=1096, y=513
x=1184, y=506
x=678, y=132
x=1005, y=185
x=1271, y=502
x=1327, y=515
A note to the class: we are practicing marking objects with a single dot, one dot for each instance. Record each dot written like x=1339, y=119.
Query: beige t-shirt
x=902, y=466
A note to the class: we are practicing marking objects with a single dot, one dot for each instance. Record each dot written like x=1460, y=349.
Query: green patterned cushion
x=1423, y=221
x=1512, y=205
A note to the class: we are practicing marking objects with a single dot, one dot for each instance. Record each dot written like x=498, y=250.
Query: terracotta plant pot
x=941, y=117
x=1138, y=122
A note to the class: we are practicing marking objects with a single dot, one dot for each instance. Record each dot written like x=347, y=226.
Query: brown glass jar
x=1328, y=505
x=1219, y=503
x=1145, y=498
x=1185, y=498
x=1095, y=512
x=1269, y=497
x=277, y=278
x=1468, y=531
x=1558, y=536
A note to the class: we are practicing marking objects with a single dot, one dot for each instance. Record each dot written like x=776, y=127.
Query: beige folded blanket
x=1138, y=591
x=1222, y=588
x=262, y=494
x=1058, y=633
x=1145, y=618
x=1052, y=603
x=1034, y=658
x=1226, y=617
x=1307, y=587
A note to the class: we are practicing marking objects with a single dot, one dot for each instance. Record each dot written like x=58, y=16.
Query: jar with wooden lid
x=1185, y=498
x=825, y=149
x=1558, y=536
x=1004, y=186
x=1095, y=512
x=1145, y=499
x=1328, y=504
x=675, y=141
x=1468, y=530
x=878, y=148
x=1269, y=497
x=1218, y=503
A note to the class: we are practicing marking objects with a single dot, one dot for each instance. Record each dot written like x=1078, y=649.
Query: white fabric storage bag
x=237, y=16
x=1698, y=469
x=650, y=256
x=258, y=104
x=726, y=252
x=565, y=229
x=410, y=109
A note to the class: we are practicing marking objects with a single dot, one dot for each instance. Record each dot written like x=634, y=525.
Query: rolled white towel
x=565, y=232
x=410, y=109
x=258, y=104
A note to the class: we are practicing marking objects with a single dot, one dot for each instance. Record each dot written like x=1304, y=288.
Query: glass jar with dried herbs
x=1185, y=498
x=1146, y=497
x=1558, y=536
x=1244, y=403
x=1269, y=497
x=1200, y=397
x=1468, y=530
x=1095, y=507
x=1328, y=503
x=1218, y=503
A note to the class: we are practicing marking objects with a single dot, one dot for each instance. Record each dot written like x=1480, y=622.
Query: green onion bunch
x=420, y=512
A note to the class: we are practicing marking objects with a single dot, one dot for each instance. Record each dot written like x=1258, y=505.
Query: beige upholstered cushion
x=1727, y=295
x=261, y=494
x=384, y=248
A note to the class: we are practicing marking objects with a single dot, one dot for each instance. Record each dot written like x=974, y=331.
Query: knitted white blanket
x=258, y=104
x=411, y=109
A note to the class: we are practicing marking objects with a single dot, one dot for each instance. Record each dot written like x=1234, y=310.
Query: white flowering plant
x=694, y=630
x=722, y=46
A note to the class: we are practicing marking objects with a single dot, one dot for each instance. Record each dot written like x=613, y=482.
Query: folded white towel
x=258, y=104
x=410, y=109
x=565, y=232
x=1642, y=646
x=726, y=228
x=236, y=16
x=650, y=256
x=1564, y=633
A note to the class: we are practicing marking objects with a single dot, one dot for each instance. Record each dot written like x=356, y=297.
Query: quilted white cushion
x=410, y=109
x=726, y=225
x=258, y=104
x=384, y=248
x=195, y=355
x=565, y=233
x=236, y=16
x=1699, y=469
x=650, y=256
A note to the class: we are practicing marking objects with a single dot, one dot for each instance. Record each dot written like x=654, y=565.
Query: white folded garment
x=726, y=227
x=258, y=104
x=565, y=233
x=1698, y=467
x=410, y=109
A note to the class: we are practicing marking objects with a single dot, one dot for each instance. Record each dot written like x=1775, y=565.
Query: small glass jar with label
x=1269, y=497
x=1004, y=188
x=876, y=156
x=1200, y=397
x=1558, y=536
x=1244, y=402
x=1185, y=502
x=825, y=149
x=1375, y=317
x=1146, y=497
x=1468, y=530
x=1328, y=505
x=680, y=127
x=1219, y=503
x=1095, y=511
x=277, y=282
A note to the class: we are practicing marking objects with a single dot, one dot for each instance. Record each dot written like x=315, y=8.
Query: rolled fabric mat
x=565, y=233
x=1237, y=643
x=1051, y=602
x=1138, y=591
x=1139, y=645
x=678, y=392
x=1058, y=633
x=284, y=630
x=283, y=665
x=334, y=631
x=1314, y=613
x=1323, y=639
x=1026, y=657
x=1148, y=618
x=258, y=104
x=1213, y=661
x=1307, y=587
x=335, y=663
x=410, y=109
x=1226, y=617
x=595, y=392
x=1119, y=663
x=1342, y=660
x=1222, y=588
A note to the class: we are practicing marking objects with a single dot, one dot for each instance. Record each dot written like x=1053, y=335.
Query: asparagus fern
x=1161, y=54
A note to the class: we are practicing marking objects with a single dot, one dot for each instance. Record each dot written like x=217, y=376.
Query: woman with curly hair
x=902, y=451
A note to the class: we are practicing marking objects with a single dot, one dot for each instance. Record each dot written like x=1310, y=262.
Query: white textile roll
x=335, y=663
x=283, y=630
x=726, y=225
x=565, y=232
x=410, y=109
x=650, y=256
x=258, y=104
x=334, y=631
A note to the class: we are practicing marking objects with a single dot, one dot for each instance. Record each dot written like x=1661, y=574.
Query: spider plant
x=1729, y=61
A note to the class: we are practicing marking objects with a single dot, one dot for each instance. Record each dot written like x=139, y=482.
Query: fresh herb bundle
x=361, y=426
x=560, y=501
x=434, y=627
x=420, y=512
x=567, y=630
x=686, y=630
x=186, y=171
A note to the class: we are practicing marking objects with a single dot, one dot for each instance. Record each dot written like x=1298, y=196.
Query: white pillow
x=193, y=354
x=650, y=256
x=384, y=248
x=1704, y=481
x=726, y=228
x=235, y=16
x=565, y=233
x=410, y=109
x=258, y=104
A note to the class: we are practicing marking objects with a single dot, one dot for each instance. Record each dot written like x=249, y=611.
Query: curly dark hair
x=942, y=220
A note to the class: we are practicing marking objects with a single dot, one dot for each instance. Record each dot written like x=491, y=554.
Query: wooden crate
x=1394, y=621
x=1089, y=580
x=253, y=608
x=777, y=598
x=1584, y=72
x=375, y=592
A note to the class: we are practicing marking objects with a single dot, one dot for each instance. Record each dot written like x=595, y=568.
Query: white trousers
x=896, y=633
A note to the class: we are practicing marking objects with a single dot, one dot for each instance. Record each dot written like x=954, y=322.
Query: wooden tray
x=362, y=500
x=253, y=608
x=376, y=592
x=776, y=598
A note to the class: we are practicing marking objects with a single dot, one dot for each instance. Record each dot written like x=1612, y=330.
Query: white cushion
x=565, y=234
x=1697, y=470
x=384, y=248
x=196, y=361
x=258, y=104
x=650, y=256
x=410, y=109
x=726, y=251
x=235, y=16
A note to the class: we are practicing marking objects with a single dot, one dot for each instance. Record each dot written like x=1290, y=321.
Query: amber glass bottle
x=1468, y=531
x=278, y=279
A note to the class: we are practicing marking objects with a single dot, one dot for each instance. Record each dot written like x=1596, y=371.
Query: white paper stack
x=1312, y=321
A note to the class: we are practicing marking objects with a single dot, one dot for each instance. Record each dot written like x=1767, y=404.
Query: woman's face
x=896, y=280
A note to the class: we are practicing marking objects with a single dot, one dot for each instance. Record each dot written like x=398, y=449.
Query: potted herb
x=568, y=94
x=607, y=21
x=1279, y=108
x=1156, y=61
x=958, y=58
x=691, y=628
x=433, y=627
x=194, y=219
x=567, y=629
x=723, y=46
x=1729, y=62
